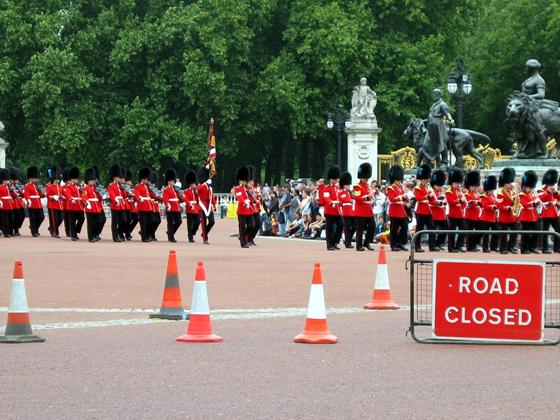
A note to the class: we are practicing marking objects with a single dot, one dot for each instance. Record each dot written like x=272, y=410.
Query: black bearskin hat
x=490, y=183
x=115, y=171
x=154, y=178
x=4, y=175
x=364, y=171
x=190, y=178
x=97, y=172
x=203, y=174
x=243, y=174
x=89, y=175
x=128, y=175
x=32, y=172
x=507, y=176
x=456, y=175
x=396, y=173
x=144, y=173
x=472, y=179
x=74, y=173
x=333, y=172
x=529, y=179
x=424, y=172
x=550, y=177
x=252, y=172
x=170, y=175
x=64, y=174
x=53, y=173
x=15, y=173
x=345, y=179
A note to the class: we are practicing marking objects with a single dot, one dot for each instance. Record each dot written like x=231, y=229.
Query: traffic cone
x=18, y=327
x=200, y=326
x=171, y=304
x=316, y=329
x=381, y=296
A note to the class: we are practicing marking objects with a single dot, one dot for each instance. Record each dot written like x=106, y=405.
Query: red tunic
x=347, y=203
x=54, y=196
x=142, y=197
x=363, y=200
x=206, y=197
x=455, y=201
x=73, y=197
x=505, y=204
x=528, y=207
x=437, y=205
x=17, y=195
x=6, y=197
x=115, y=196
x=320, y=200
x=331, y=200
x=244, y=201
x=548, y=199
x=396, y=197
x=92, y=199
x=489, y=207
x=33, y=196
x=421, y=194
x=472, y=211
x=171, y=199
x=191, y=200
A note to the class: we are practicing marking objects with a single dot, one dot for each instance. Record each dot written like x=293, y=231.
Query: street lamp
x=459, y=85
x=338, y=120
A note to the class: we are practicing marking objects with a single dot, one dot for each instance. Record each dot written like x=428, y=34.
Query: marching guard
x=244, y=211
x=398, y=217
x=171, y=200
x=75, y=205
x=438, y=205
x=255, y=196
x=473, y=209
x=117, y=204
x=423, y=194
x=53, y=191
x=6, y=204
x=192, y=208
x=364, y=209
x=488, y=216
x=144, y=203
x=332, y=209
x=206, y=201
x=17, y=190
x=33, y=195
x=529, y=216
x=93, y=206
x=457, y=203
x=348, y=208
x=508, y=205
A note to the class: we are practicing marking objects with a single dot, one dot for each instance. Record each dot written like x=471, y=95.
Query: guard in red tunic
x=33, y=195
x=506, y=219
x=75, y=205
x=423, y=193
x=488, y=216
x=529, y=216
x=53, y=191
x=17, y=190
x=549, y=213
x=331, y=202
x=348, y=208
x=6, y=204
x=93, y=206
x=144, y=203
x=132, y=214
x=244, y=212
x=206, y=201
x=192, y=209
x=65, y=214
x=255, y=195
x=157, y=198
x=171, y=199
x=118, y=204
x=457, y=203
x=364, y=209
x=472, y=212
x=438, y=205
x=398, y=218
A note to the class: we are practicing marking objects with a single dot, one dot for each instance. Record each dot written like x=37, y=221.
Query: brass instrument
x=516, y=207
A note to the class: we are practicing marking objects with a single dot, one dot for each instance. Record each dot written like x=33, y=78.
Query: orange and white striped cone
x=199, y=329
x=18, y=327
x=171, y=304
x=381, y=297
x=316, y=329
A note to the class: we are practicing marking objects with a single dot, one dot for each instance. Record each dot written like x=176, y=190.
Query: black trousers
x=206, y=223
x=453, y=225
x=490, y=241
x=173, y=223
x=75, y=221
x=529, y=242
x=102, y=221
x=55, y=219
x=36, y=217
x=257, y=222
x=441, y=237
x=547, y=223
x=66, y=218
x=132, y=222
x=423, y=222
x=367, y=225
x=246, y=226
x=7, y=217
x=472, y=240
x=508, y=242
x=193, y=222
x=19, y=217
x=118, y=224
x=349, y=229
x=398, y=231
x=333, y=230
x=156, y=221
x=94, y=225
x=144, y=218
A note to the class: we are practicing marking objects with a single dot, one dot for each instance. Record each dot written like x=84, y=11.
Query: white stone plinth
x=362, y=145
x=3, y=146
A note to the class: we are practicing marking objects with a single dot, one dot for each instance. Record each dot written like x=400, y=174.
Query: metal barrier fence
x=421, y=289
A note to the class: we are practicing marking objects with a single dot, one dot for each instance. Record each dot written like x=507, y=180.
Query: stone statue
x=364, y=100
x=435, y=142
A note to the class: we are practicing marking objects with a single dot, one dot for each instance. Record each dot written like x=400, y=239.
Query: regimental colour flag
x=211, y=160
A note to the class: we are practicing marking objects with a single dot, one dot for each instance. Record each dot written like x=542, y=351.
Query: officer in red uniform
x=53, y=191
x=93, y=206
x=65, y=214
x=488, y=216
x=144, y=203
x=457, y=203
x=255, y=196
x=33, y=195
x=331, y=202
x=423, y=193
x=244, y=211
x=75, y=205
x=549, y=213
x=171, y=199
x=364, y=209
x=472, y=212
x=192, y=209
x=206, y=201
x=438, y=205
x=17, y=190
x=6, y=204
x=529, y=216
x=155, y=193
x=348, y=208
x=398, y=217
x=506, y=219
x=117, y=203
x=132, y=214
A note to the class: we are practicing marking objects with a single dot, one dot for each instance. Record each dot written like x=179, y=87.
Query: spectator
x=296, y=227
x=273, y=206
x=380, y=204
x=379, y=229
x=293, y=206
x=317, y=227
x=305, y=203
x=284, y=210
x=223, y=207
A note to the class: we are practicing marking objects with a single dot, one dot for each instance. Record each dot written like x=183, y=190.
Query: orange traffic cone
x=381, y=296
x=316, y=329
x=18, y=327
x=171, y=304
x=200, y=326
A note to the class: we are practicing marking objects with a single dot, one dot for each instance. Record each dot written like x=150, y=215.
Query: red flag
x=211, y=160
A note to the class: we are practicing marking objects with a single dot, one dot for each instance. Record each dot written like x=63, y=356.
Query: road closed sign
x=488, y=300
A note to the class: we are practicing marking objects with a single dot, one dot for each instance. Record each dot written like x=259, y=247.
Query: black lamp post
x=459, y=85
x=338, y=120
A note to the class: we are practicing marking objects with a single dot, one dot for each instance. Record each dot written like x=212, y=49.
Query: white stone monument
x=363, y=130
x=3, y=146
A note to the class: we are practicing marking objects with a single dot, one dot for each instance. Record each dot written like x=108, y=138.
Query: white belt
x=9, y=197
x=173, y=199
x=34, y=196
x=346, y=204
x=118, y=196
x=93, y=199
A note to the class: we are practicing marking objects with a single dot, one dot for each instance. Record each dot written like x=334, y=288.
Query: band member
x=75, y=205
x=549, y=213
x=53, y=191
x=17, y=190
x=398, y=218
x=6, y=204
x=529, y=217
x=244, y=211
x=171, y=199
x=155, y=193
x=33, y=195
x=488, y=216
x=423, y=193
x=93, y=206
x=206, y=201
x=255, y=196
x=364, y=209
x=132, y=214
x=100, y=189
x=117, y=203
x=506, y=198
x=65, y=214
x=472, y=212
x=457, y=203
x=348, y=208
x=331, y=202
x=438, y=205
x=192, y=209
x=144, y=203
